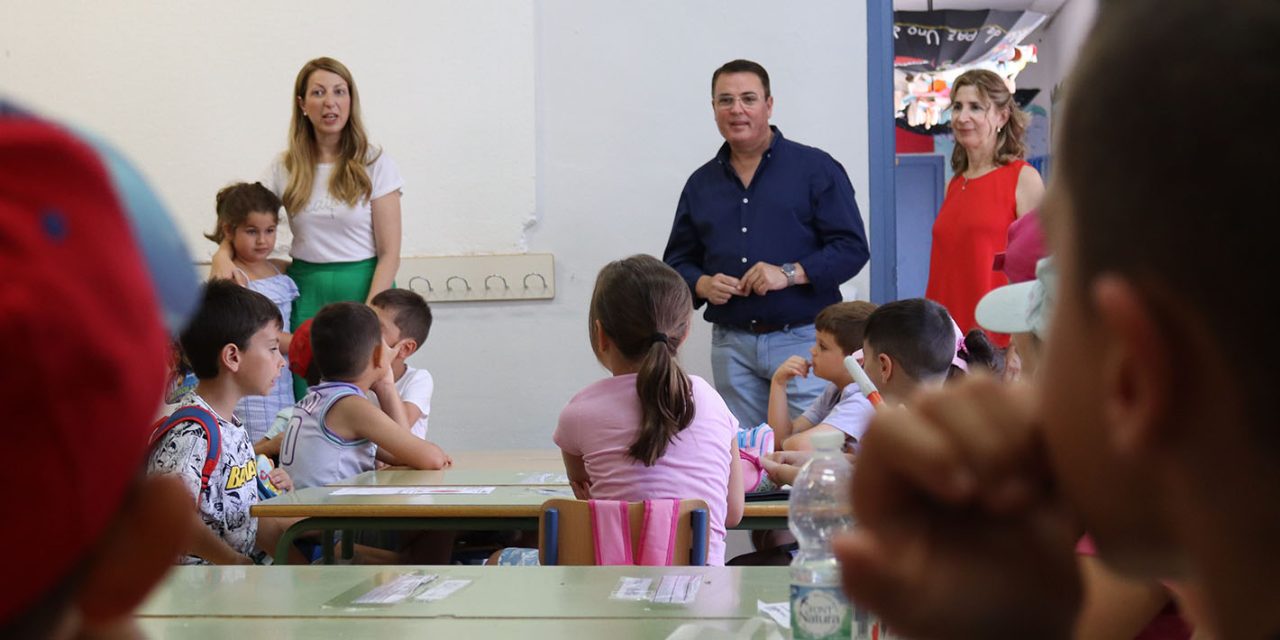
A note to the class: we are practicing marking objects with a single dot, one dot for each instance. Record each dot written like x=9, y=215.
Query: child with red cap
x=93, y=271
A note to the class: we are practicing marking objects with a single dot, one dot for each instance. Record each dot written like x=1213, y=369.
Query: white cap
x=1022, y=307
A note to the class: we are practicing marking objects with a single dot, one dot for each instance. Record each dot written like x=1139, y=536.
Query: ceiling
x=1047, y=7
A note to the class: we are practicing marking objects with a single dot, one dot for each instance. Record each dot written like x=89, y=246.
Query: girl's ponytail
x=666, y=400
x=644, y=306
x=978, y=352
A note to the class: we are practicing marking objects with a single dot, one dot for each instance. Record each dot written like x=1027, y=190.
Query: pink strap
x=611, y=531
x=752, y=471
x=658, y=536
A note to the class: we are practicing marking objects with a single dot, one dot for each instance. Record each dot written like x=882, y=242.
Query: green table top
x=506, y=501
x=726, y=593
x=454, y=476
x=393, y=628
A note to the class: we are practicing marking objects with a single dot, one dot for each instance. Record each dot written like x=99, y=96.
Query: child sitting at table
x=232, y=344
x=907, y=345
x=331, y=437
x=651, y=430
x=406, y=320
x=841, y=407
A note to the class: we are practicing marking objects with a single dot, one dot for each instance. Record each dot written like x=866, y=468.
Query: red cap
x=300, y=349
x=85, y=355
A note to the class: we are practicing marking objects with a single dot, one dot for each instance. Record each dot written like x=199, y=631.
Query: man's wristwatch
x=789, y=270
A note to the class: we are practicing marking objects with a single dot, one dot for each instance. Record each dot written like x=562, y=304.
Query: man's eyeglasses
x=748, y=100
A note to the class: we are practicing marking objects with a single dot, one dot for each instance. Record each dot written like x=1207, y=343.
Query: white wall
x=199, y=95
x=587, y=114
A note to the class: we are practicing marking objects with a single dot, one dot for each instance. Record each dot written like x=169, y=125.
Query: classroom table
x=508, y=507
x=492, y=467
x=393, y=628
x=495, y=593
x=454, y=476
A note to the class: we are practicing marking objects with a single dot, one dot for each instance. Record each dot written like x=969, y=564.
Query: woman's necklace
x=964, y=185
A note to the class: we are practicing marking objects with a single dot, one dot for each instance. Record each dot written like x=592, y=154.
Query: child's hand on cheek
x=388, y=374
x=792, y=367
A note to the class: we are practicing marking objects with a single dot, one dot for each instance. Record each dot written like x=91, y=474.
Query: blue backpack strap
x=213, y=435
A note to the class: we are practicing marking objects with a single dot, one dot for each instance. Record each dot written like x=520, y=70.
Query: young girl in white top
x=650, y=430
x=248, y=215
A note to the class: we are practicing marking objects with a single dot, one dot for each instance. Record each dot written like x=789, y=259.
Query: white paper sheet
x=410, y=491
x=678, y=589
x=443, y=590
x=395, y=591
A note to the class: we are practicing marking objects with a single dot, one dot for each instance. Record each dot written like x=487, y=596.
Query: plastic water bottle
x=819, y=511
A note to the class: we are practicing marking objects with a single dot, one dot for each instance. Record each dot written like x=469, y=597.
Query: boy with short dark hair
x=841, y=406
x=332, y=437
x=405, y=319
x=908, y=345
x=233, y=347
x=1154, y=428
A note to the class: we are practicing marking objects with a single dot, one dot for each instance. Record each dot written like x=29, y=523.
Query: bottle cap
x=827, y=440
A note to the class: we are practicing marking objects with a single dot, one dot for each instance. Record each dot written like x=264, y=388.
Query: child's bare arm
x=736, y=497
x=779, y=414
x=221, y=265
x=802, y=440
x=269, y=447
x=391, y=402
x=784, y=466
x=576, y=469
x=396, y=444
x=206, y=544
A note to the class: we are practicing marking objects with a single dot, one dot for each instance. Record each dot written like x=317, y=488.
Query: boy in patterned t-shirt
x=233, y=346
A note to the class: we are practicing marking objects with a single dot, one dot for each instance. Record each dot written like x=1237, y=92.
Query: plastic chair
x=564, y=532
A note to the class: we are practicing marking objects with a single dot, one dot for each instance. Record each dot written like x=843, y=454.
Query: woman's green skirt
x=322, y=283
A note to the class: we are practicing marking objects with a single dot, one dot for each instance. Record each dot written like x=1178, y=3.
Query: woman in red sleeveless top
x=992, y=187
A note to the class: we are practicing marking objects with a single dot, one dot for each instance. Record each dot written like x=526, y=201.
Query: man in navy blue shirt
x=766, y=231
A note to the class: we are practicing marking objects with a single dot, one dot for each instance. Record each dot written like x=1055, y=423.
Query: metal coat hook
x=429, y=288
x=449, y=287
x=494, y=275
x=539, y=276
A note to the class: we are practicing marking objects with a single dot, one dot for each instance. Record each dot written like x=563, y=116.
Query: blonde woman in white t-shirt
x=341, y=193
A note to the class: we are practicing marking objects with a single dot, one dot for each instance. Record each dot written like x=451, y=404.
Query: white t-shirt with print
x=233, y=486
x=327, y=229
